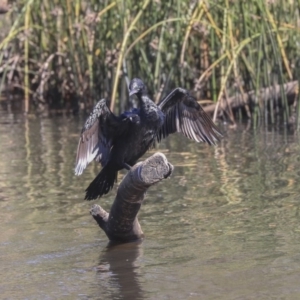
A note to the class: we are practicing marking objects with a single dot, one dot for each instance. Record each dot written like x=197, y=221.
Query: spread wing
x=96, y=137
x=184, y=114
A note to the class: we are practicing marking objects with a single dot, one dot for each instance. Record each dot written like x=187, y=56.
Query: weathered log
x=121, y=224
x=290, y=89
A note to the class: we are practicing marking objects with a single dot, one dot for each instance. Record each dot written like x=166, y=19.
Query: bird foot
x=127, y=166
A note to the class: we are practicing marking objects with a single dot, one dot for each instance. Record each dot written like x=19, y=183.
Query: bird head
x=137, y=87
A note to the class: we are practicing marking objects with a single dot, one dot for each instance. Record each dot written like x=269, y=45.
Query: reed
x=67, y=54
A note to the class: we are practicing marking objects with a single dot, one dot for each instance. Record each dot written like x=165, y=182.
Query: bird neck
x=151, y=116
x=145, y=101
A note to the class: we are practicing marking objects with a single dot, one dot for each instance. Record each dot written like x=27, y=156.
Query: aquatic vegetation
x=68, y=54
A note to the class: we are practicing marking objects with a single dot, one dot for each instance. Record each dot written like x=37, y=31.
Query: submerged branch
x=121, y=224
x=290, y=89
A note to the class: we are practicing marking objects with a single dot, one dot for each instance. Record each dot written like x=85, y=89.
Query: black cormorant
x=117, y=142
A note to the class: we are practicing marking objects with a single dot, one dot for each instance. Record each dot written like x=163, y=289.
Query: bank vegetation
x=240, y=58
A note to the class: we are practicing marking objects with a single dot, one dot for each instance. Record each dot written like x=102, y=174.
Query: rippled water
x=225, y=226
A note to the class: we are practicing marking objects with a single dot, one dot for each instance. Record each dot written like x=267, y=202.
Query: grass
x=67, y=54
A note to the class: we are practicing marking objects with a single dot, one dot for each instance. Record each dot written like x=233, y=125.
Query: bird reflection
x=121, y=262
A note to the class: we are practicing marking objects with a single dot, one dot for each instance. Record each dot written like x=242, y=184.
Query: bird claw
x=127, y=166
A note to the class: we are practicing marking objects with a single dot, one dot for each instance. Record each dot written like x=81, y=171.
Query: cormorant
x=117, y=142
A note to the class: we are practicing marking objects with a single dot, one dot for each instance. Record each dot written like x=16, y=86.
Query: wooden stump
x=121, y=224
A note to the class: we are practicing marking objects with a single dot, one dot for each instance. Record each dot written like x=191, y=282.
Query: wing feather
x=96, y=137
x=184, y=114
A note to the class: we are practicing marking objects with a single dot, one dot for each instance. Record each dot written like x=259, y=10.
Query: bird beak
x=132, y=92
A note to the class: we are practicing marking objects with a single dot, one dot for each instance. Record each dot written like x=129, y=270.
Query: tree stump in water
x=121, y=224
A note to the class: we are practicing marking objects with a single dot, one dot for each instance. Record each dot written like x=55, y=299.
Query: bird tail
x=102, y=184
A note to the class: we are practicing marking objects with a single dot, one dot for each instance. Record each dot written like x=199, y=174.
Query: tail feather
x=102, y=184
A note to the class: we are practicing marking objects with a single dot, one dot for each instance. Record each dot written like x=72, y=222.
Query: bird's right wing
x=96, y=137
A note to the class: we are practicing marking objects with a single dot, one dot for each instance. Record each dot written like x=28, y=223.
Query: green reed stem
x=122, y=52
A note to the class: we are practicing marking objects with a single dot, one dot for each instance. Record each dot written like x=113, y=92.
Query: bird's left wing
x=184, y=114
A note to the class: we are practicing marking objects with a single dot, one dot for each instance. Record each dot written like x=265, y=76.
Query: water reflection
x=119, y=266
x=225, y=226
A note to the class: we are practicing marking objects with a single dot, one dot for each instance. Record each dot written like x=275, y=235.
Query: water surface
x=225, y=226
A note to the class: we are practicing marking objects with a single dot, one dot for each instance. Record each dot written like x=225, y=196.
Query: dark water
x=225, y=226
